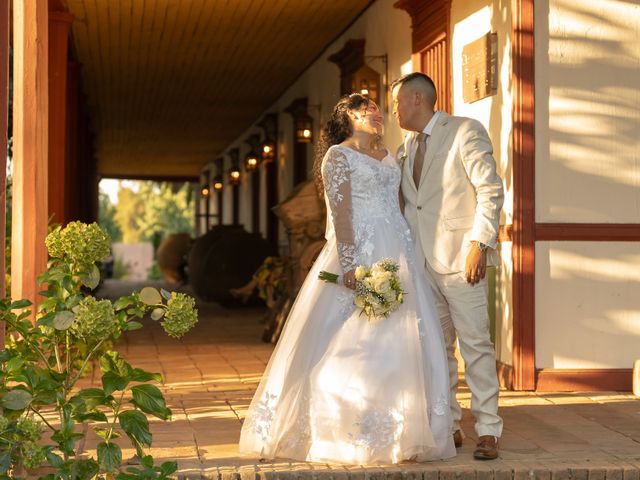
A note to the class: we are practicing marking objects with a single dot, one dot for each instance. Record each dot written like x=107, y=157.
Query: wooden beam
x=523, y=252
x=585, y=380
x=30, y=146
x=4, y=107
x=59, y=24
x=588, y=232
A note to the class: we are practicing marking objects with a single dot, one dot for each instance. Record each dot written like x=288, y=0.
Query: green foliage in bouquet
x=42, y=364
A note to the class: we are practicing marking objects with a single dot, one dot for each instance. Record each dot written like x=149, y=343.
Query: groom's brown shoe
x=457, y=438
x=487, y=448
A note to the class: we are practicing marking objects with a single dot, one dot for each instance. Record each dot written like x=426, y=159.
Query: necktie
x=418, y=160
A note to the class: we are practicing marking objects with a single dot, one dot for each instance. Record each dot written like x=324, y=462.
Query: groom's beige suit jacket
x=459, y=196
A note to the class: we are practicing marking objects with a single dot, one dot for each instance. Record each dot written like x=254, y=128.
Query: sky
x=110, y=186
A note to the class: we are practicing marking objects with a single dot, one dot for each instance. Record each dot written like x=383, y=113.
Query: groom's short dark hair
x=418, y=78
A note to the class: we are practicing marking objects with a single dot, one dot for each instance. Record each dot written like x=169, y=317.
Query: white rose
x=361, y=272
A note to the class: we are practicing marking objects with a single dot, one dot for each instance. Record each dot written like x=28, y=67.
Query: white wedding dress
x=340, y=388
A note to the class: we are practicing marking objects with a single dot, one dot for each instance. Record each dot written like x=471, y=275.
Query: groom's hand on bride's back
x=476, y=264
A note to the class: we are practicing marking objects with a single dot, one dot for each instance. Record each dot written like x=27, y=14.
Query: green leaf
x=14, y=364
x=46, y=320
x=91, y=279
x=166, y=295
x=136, y=426
x=157, y=313
x=133, y=325
x=73, y=301
x=95, y=416
x=109, y=456
x=49, y=303
x=112, y=381
x=104, y=433
x=20, y=304
x=54, y=460
x=139, y=375
x=122, y=303
x=147, y=461
x=5, y=461
x=149, y=399
x=167, y=468
x=150, y=296
x=85, y=469
x=63, y=320
x=92, y=397
x=112, y=362
x=17, y=399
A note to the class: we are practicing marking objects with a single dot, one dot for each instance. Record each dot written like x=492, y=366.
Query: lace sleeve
x=336, y=176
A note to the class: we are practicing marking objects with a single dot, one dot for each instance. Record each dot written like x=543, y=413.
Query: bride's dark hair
x=337, y=129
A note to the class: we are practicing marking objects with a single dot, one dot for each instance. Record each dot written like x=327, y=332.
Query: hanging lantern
x=268, y=151
x=204, y=191
x=217, y=183
x=304, y=126
x=234, y=175
x=251, y=162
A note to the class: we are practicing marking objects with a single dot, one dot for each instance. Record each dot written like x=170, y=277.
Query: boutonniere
x=401, y=160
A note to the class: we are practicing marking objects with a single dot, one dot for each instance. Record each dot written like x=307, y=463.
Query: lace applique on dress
x=262, y=416
x=441, y=407
x=336, y=174
x=378, y=428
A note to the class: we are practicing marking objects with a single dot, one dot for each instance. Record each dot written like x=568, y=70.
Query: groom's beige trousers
x=464, y=314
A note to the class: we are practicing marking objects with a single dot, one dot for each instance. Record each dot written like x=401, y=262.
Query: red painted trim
x=588, y=232
x=585, y=380
x=522, y=57
x=4, y=95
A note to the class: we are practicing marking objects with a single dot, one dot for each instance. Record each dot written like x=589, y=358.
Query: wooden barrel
x=225, y=257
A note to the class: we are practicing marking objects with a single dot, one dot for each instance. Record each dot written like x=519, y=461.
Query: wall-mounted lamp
x=253, y=158
x=205, y=191
x=251, y=162
x=268, y=151
x=234, y=175
x=218, y=185
x=304, y=128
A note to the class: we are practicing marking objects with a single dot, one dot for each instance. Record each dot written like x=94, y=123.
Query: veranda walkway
x=210, y=377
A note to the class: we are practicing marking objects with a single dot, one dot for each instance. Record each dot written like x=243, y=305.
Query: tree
x=154, y=211
x=129, y=210
x=167, y=210
x=108, y=218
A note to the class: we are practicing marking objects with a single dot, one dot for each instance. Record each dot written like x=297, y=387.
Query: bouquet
x=378, y=289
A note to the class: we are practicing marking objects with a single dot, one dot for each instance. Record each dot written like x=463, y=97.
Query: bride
x=341, y=388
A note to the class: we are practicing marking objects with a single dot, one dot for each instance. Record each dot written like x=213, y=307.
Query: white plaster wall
x=587, y=87
x=470, y=20
x=587, y=308
x=386, y=30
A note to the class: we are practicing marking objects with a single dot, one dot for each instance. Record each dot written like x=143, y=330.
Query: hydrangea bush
x=42, y=363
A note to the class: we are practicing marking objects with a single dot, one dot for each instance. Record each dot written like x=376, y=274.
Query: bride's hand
x=349, y=279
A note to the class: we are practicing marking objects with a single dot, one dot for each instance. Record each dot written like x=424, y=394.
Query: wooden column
x=30, y=146
x=523, y=252
x=234, y=155
x=270, y=125
x=72, y=167
x=4, y=95
x=298, y=110
x=59, y=24
x=220, y=194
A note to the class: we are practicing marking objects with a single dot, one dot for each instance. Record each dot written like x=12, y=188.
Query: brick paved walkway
x=211, y=374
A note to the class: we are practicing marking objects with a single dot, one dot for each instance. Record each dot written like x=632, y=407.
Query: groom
x=452, y=200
